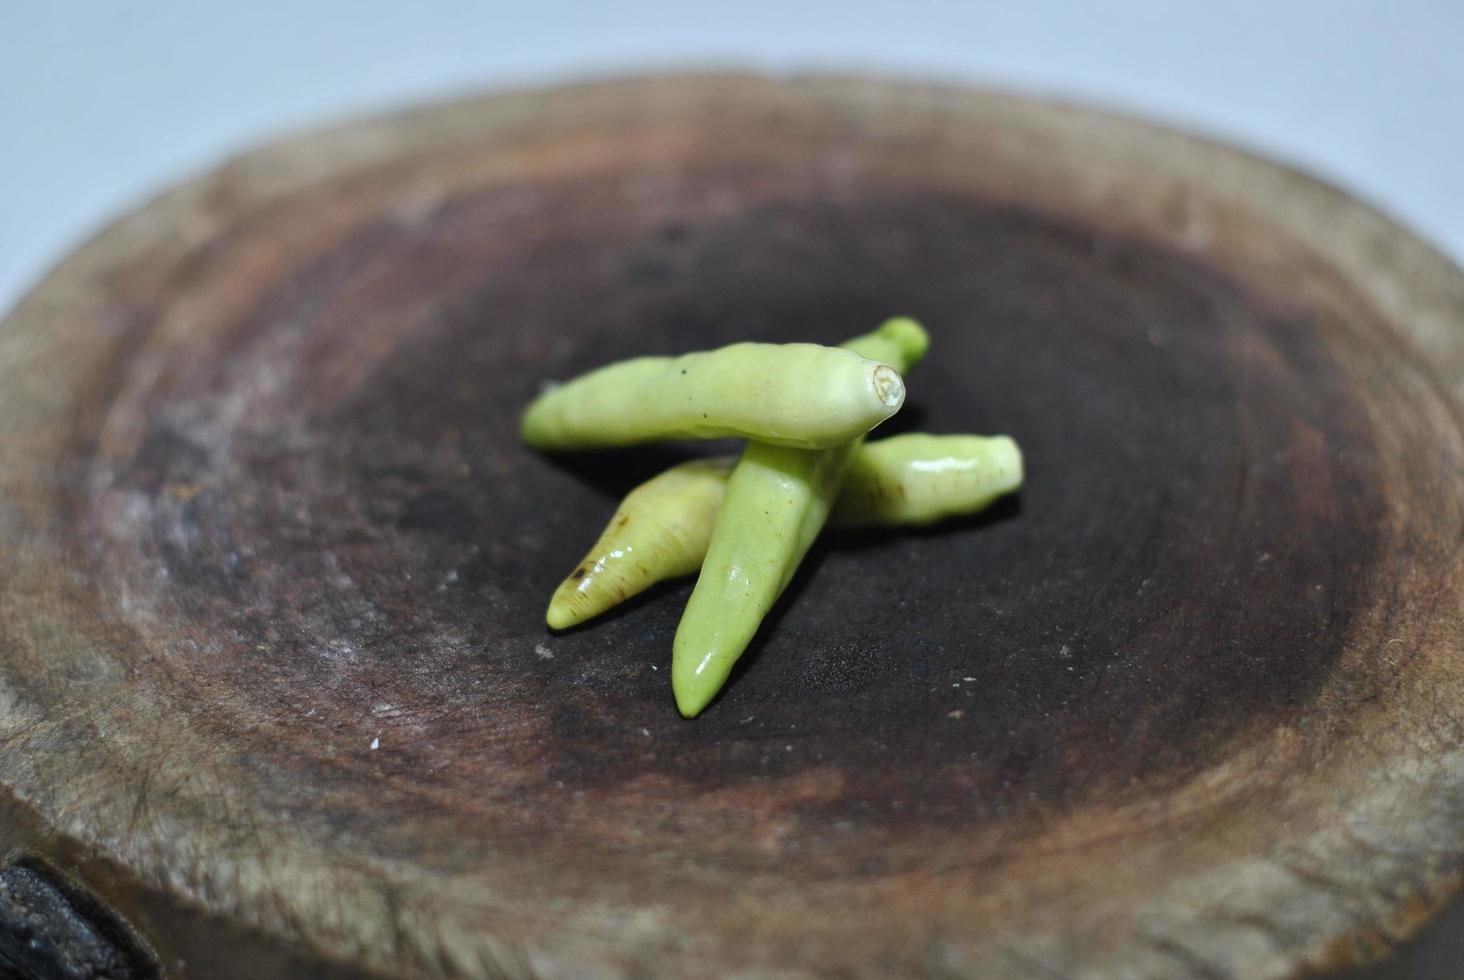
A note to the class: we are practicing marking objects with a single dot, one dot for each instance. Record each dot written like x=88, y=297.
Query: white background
x=105, y=101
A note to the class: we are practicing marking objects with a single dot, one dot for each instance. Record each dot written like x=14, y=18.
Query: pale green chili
x=802, y=395
x=921, y=479
x=775, y=504
x=659, y=531
x=662, y=528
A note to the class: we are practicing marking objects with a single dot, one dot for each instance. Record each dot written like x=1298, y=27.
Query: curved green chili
x=803, y=395
x=776, y=502
x=921, y=479
x=663, y=527
x=659, y=531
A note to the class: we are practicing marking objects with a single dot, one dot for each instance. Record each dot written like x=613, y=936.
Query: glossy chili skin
x=803, y=395
x=776, y=502
x=919, y=479
x=659, y=531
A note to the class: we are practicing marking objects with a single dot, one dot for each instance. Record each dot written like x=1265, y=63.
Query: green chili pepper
x=776, y=502
x=803, y=395
x=660, y=531
x=663, y=527
x=921, y=479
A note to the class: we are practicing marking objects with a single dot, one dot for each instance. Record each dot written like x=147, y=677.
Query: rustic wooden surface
x=274, y=684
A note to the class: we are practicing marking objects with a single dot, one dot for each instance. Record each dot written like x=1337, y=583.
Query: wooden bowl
x=276, y=696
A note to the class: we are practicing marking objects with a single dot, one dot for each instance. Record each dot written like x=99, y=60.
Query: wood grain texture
x=274, y=682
